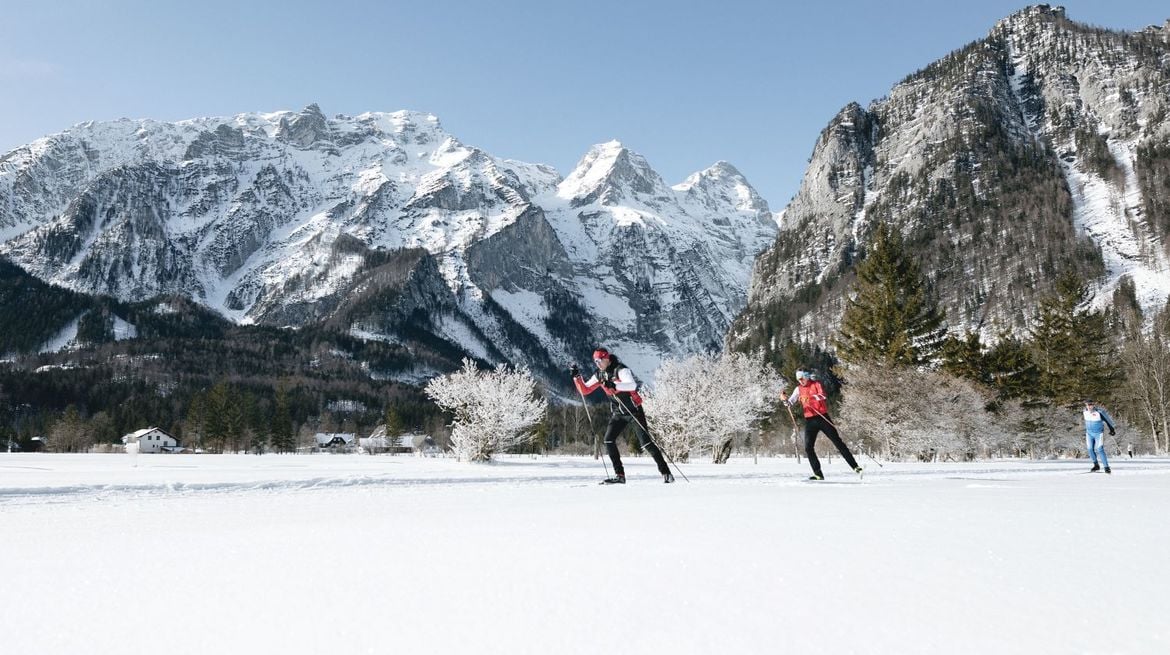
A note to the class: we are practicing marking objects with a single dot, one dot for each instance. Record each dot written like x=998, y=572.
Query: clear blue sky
x=683, y=83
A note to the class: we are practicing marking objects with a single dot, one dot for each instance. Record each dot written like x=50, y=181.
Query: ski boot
x=1096, y=467
x=816, y=476
x=859, y=471
x=668, y=478
x=1108, y=471
x=620, y=478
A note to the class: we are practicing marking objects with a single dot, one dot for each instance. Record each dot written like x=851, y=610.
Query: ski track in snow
x=307, y=554
x=58, y=479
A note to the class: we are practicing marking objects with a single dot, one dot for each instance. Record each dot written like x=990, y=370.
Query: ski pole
x=795, y=445
x=596, y=437
x=651, y=438
x=835, y=427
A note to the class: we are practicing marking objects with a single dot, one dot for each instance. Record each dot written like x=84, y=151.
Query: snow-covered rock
x=275, y=218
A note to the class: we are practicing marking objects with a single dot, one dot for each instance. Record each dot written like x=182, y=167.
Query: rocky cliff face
x=1039, y=149
x=284, y=219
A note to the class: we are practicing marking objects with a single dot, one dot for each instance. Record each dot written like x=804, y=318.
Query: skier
x=1096, y=418
x=618, y=382
x=811, y=396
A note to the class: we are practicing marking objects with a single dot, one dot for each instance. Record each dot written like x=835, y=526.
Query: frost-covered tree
x=1045, y=429
x=1146, y=358
x=912, y=413
x=703, y=401
x=494, y=410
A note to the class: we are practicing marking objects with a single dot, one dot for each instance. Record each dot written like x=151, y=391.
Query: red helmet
x=600, y=353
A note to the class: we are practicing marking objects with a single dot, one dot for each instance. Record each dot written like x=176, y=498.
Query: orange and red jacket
x=812, y=398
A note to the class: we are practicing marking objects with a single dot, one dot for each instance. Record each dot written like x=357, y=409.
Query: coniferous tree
x=1006, y=367
x=217, y=420
x=965, y=357
x=195, y=424
x=890, y=320
x=1011, y=369
x=395, y=426
x=1071, y=345
x=282, y=427
x=235, y=418
x=258, y=425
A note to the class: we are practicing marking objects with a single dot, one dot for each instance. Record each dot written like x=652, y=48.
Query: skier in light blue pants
x=1096, y=418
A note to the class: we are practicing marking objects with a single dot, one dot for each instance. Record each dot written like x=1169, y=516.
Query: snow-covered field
x=360, y=554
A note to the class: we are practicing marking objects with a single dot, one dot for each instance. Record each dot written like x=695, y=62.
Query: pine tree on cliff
x=890, y=319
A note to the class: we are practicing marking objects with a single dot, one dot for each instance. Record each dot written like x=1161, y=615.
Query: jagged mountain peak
x=610, y=172
x=305, y=129
x=1032, y=14
x=285, y=218
x=719, y=170
x=853, y=119
x=722, y=184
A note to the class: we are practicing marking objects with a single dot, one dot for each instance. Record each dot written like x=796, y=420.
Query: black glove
x=608, y=383
x=574, y=371
x=1112, y=432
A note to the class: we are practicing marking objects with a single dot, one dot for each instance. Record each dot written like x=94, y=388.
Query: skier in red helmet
x=616, y=379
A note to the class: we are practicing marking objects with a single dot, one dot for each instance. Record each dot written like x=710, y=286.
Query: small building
x=419, y=444
x=380, y=442
x=152, y=440
x=337, y=440
x=374, y=444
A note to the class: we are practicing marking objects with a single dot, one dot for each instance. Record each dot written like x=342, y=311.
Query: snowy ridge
x=634, y=241
x=252, y=215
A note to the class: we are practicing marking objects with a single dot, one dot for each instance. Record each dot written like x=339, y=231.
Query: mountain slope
x=1036, y=150
x=272, y=218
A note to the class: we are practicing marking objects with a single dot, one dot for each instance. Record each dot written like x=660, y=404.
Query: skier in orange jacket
x=811, y=396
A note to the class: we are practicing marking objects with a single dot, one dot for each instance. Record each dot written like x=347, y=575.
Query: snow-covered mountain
x=281, y=218
x=1042, y=148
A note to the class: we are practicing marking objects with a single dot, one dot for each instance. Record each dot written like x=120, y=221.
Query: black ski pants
x=821, y=424
x=617, y=424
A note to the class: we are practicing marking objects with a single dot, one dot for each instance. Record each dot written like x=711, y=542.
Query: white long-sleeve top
x=625, y=380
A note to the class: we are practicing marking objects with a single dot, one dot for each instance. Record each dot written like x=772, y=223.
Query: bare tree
x=912, y=413
x=703, y=401
x=494, y=410
x=70, y=434
x=1146, y=358
x=1044, y=429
